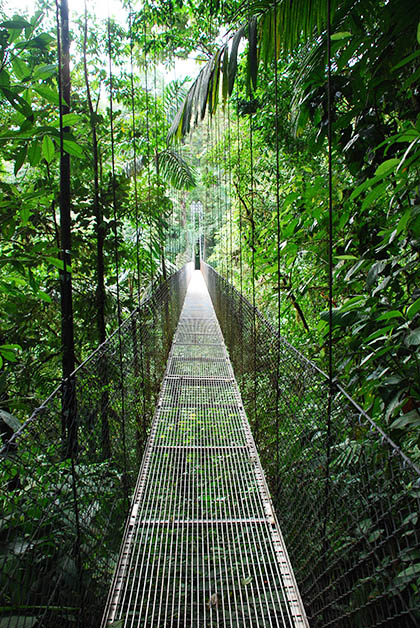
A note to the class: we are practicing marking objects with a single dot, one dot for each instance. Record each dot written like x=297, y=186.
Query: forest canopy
x=248, y=139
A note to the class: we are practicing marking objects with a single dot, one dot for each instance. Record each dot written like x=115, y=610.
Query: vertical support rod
x=240, y=237
x=134, y=132
x=330, y=284
x=100, y=241
x=276, y=128
x=254, y=320
x=117, y=264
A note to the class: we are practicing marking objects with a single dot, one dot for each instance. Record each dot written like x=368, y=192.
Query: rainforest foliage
x=148, y=237
x=270, y=149
x=247, y=138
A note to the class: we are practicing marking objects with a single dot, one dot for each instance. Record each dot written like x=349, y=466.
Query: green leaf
x=233, y=59
x=375, y=270
x=354, y=302
x=18, y=23
x=413, y=339
x=413, y=308
x=11, y=421
x=4, y=79
x=25, y=214
x=21, y=70
x=18, y=102
x=202, y=91
x=45, y=71
x=354, y=269
x=374, y=194
x=42, y=42
x=403, y=221
x=71, y=118
x=44, y=297
x=225, y=75
x=386, y=167
x=375, y=354
x=418, y=33
x=176, y=170
x=406, y=60
x=246, y=581
x=364, y=186
x=49, y=94
x=72, y=148
x=409, y=420
x=20, y=158
x=378, y=333
x=34, y=153
x=340, y=35
x=387, y=315
x=9, y=352
x=58, y=263
x=48, y=149
x=214, y=89
x=341, y=318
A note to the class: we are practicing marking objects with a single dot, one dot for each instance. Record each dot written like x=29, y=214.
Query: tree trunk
x=69, y=424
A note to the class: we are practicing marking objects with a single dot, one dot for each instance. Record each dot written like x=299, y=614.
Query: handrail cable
x=239, y=181
x=276, y=138
x=330, y=281
x=138, y=346
x=230, y=193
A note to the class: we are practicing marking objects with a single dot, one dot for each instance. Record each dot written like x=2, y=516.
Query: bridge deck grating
x=202, y=546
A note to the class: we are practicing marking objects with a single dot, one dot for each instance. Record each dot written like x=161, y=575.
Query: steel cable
x=116, y=250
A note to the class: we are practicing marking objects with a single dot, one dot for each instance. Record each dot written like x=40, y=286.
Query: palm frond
x=175, y=169
x=174, y=95
x=170, y=165
x=129, y=167
x=293, y=21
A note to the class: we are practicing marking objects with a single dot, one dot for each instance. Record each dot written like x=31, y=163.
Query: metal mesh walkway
x=202, y=546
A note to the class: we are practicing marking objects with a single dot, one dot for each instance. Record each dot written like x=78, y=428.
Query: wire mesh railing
x=348, y=500
x=201, y=545
x=67, y=476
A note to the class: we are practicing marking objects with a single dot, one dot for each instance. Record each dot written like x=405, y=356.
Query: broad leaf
x=413, y=308
x=49, y=94
x=48, y=149
x=340, y=35
x=20, y=158
x=72, y=148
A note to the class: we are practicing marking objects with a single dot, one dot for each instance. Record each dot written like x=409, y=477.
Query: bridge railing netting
x=348, y=500
x=67, y=476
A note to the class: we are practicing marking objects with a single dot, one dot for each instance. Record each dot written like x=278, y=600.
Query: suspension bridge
x=202, y=539
x=196, y=469
x=179, y=529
